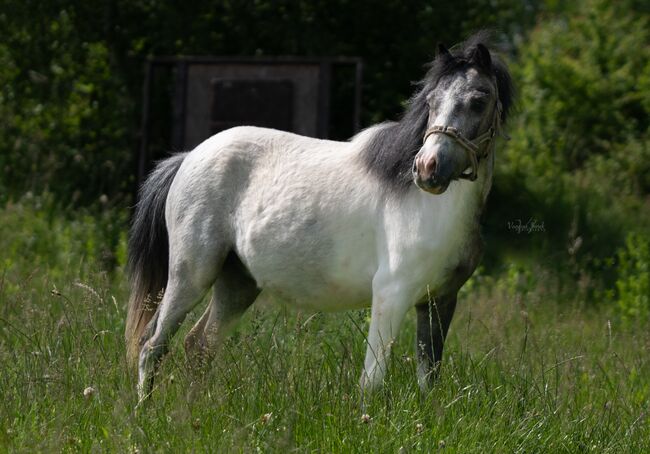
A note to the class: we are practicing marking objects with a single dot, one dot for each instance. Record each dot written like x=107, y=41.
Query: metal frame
x=181, y=63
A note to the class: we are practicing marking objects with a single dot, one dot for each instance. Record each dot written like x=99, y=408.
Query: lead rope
x=473, y=147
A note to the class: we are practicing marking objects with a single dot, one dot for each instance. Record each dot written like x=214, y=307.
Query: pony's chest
x=427, y=247
x=439, y=249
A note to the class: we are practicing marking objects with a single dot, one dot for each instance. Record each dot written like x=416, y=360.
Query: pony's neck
x=465, y=199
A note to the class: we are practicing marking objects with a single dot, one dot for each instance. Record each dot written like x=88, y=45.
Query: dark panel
x=266, y=103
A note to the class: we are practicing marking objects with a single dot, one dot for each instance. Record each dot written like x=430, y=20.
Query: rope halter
x=476, y=150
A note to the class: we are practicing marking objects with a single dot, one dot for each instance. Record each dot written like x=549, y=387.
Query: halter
x=473, y=147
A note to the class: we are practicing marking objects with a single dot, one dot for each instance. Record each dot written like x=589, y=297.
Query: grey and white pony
x=390, y=218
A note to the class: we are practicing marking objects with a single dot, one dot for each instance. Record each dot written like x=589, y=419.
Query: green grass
x=523, y=372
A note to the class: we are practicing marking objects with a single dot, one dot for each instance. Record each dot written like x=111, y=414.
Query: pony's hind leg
x=194, y=342
x=232, y=294
x=189, y=280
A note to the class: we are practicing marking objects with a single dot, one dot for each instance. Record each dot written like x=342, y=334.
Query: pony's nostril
x=430, y=167
x=425, y=167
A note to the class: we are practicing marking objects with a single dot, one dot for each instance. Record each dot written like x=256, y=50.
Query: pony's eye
x=478, y=103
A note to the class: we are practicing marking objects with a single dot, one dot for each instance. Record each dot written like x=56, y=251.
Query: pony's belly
x=335, y=288
x=326, y=275
x=310, y=251
x=320, y=296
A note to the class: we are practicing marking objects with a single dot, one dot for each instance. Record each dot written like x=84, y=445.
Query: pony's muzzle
x=426, y=172
x=425, y=166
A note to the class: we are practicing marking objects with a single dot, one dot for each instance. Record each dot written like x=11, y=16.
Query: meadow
x=548, y=350
x=530, y=366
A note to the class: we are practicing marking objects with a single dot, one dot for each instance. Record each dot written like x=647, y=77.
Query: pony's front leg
x=433, y=320
x=389, y=307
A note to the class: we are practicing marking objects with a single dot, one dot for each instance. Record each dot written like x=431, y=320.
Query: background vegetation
x=549, y=349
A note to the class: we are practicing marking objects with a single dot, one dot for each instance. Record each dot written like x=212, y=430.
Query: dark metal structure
x=211, y=94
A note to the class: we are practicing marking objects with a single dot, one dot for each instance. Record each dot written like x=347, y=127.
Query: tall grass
x=527, y=369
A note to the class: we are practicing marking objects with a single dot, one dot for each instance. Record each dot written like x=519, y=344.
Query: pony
x=389, y=218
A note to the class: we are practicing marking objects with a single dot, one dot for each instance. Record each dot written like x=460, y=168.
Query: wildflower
x=365, y=418
x=89, y=392
x=266, y=417
x=419, y=428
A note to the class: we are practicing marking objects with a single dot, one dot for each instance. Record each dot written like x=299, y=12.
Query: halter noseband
x=473, y=147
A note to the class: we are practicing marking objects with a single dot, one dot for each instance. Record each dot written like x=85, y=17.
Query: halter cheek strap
x=475, y=148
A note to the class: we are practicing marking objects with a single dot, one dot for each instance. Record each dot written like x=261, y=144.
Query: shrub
x=36, y=235
x=578, y=159
x=633, y=283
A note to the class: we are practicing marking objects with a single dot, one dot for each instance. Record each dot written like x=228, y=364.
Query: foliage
x=35, y=233
x=633, y=283
x=584, y=90
x=64, y=110
x=71, y=72
x=582, y=83
x=578, y=159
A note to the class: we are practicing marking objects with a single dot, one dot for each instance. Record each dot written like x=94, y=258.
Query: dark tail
x=148, y=250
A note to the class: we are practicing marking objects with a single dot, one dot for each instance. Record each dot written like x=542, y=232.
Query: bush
x=633, y=283
x=71, y=72
x=64, y=113
x=584, y=88
x=37, y=237
x=578, y=159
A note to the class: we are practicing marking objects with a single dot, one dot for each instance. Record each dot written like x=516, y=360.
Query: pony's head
x=467, y=94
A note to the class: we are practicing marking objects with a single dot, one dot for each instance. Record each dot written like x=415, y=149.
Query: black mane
x=390, y=152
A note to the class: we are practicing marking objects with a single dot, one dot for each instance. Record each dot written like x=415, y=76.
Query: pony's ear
x=481, y=56
x=442, y=51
